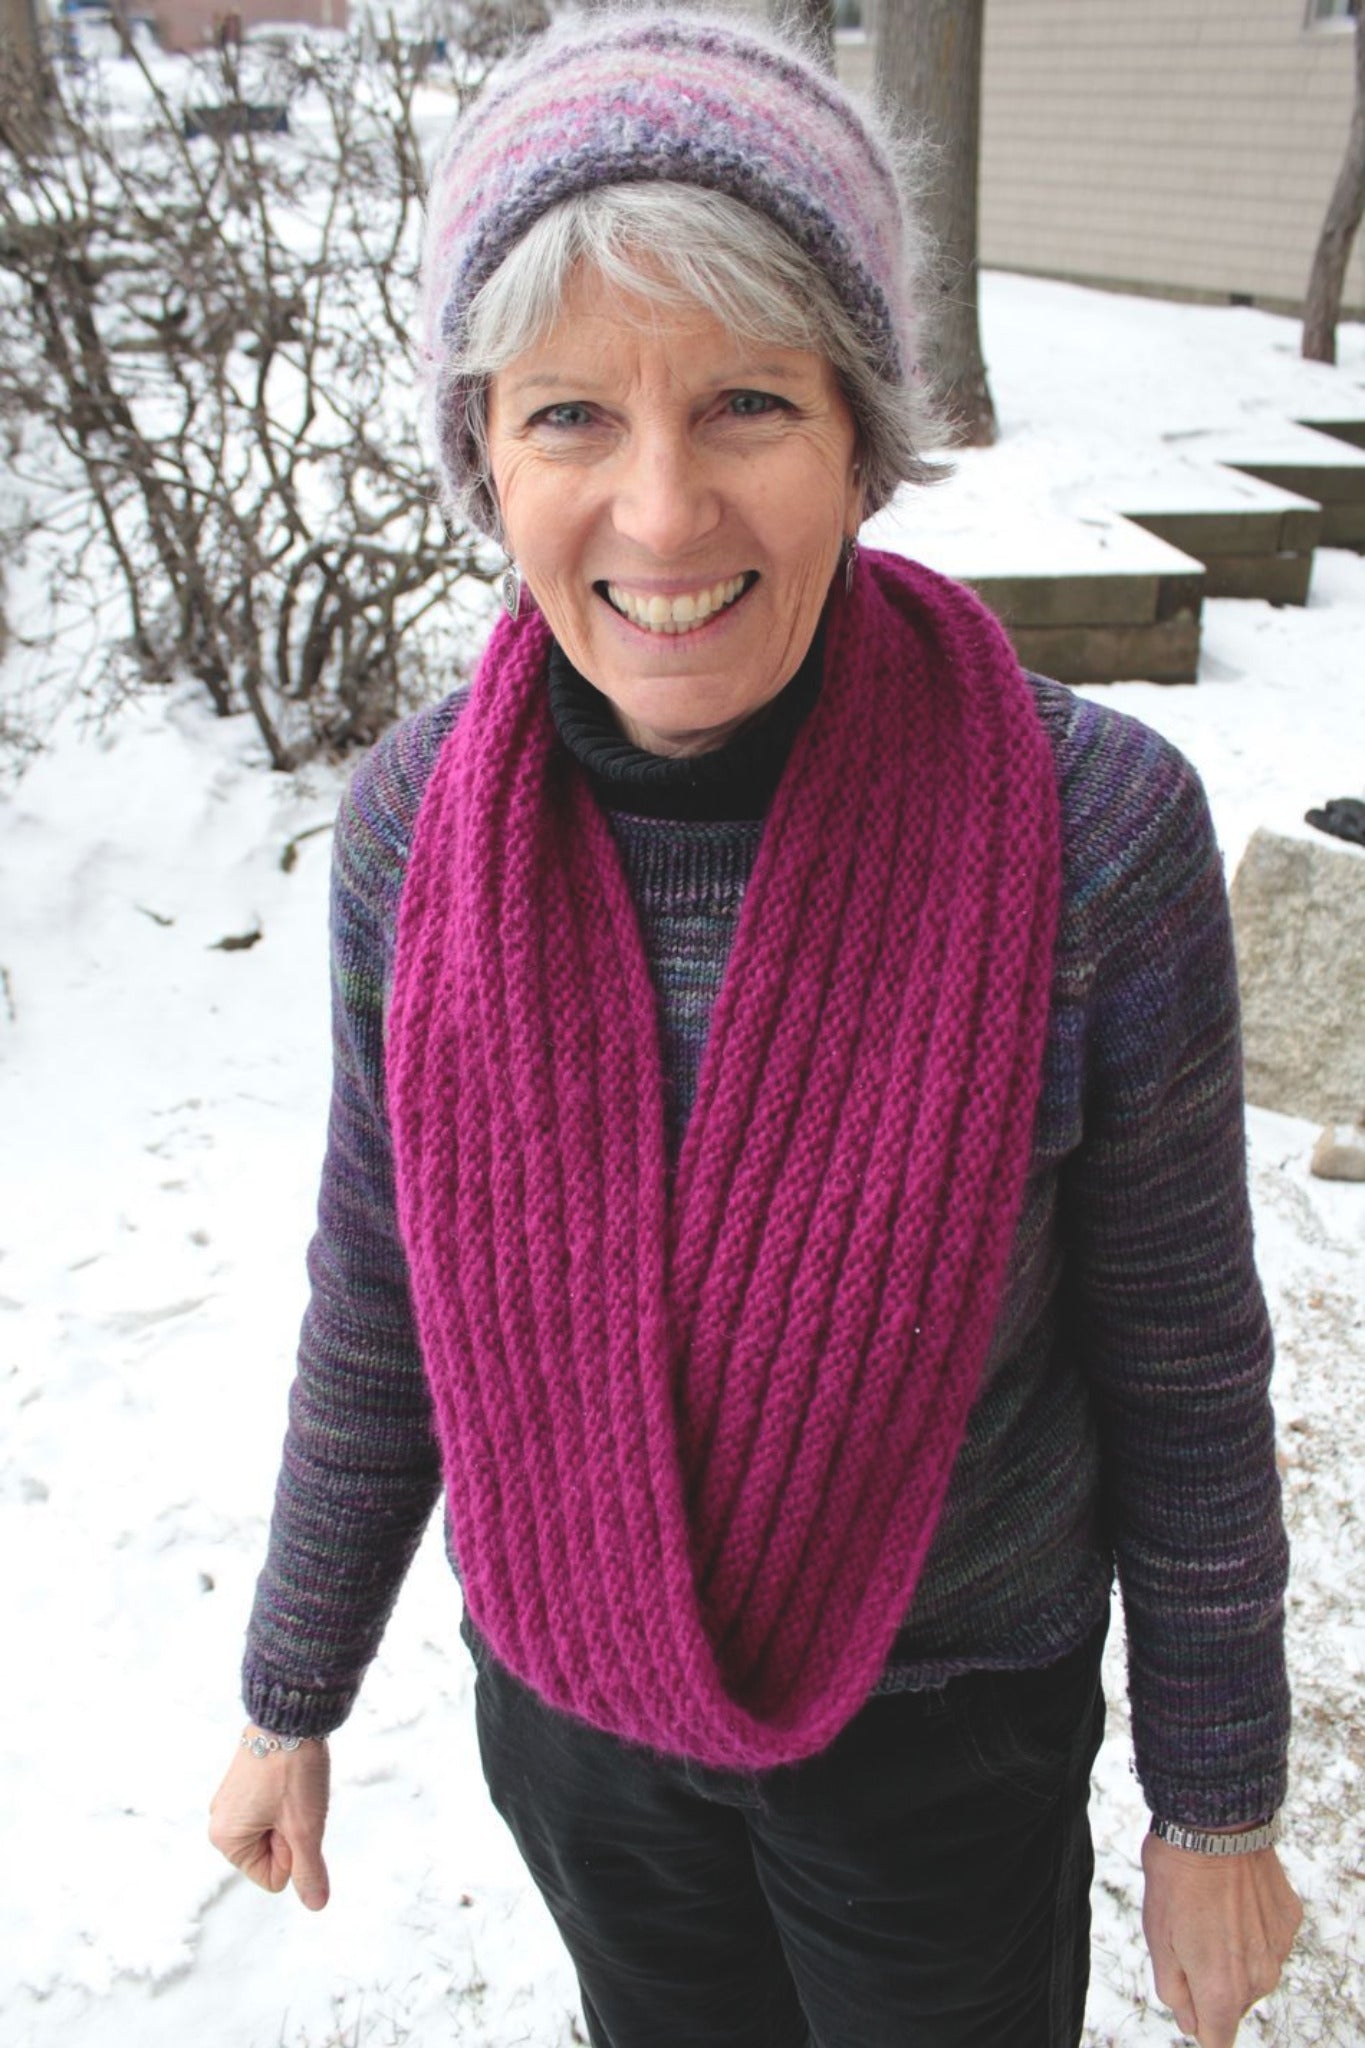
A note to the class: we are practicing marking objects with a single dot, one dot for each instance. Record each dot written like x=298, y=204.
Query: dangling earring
x=850, y=557
x=510, y=588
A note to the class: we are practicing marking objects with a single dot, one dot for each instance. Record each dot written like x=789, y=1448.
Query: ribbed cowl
x=696, y=1443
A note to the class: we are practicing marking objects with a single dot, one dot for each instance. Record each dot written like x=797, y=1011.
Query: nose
x=665, y=500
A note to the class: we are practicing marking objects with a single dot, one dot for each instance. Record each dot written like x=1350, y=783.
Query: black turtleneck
x=736, y=780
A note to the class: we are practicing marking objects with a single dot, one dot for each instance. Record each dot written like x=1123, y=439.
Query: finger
x=255, y=1858
x=1219, y=2032
x=1217, y=2017
x=1186, y=2019
x=310, y=1876
x=1173, y=1989
x=280, y=1862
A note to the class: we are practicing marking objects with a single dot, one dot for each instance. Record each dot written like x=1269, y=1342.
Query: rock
x=1342, y=816
x=1339, y=1153
x=1298, y=913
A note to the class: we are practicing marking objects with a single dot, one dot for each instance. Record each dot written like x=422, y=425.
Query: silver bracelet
x=261, y=1744
x=1242, y=1842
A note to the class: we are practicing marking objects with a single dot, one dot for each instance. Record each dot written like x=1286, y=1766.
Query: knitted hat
x=625, y=99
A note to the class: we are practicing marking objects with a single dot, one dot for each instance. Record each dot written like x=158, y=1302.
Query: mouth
x=686, y=613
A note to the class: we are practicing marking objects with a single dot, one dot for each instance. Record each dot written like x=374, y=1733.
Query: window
x=1332, y=10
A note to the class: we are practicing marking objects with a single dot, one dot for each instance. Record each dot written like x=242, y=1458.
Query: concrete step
x=1308, y=463
x=1087, y=597
x=1084, y=627
x=1254, y=538
x=1349, y=430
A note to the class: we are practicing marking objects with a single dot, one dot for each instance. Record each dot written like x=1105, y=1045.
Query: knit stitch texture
x=1124, y=1398
x=680, y=1438
x=648, y=97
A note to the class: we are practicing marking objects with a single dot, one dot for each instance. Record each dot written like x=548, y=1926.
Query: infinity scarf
x=696, y=1439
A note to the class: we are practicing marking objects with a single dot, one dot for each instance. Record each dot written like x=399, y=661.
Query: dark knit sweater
x=1124, y=1409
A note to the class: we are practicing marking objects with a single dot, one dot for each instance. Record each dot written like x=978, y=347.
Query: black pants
x=923, y=1883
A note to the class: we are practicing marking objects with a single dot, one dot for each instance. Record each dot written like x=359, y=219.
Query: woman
x=785, y=1179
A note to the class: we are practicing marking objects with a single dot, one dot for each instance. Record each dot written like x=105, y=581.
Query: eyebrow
x=550, y=380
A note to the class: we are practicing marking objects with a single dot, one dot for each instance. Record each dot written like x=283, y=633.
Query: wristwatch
x=1205, y=1842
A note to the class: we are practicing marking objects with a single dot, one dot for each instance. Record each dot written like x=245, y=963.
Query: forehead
x=604, y=337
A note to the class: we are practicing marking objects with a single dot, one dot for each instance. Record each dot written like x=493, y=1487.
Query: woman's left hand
x=1219, y=1929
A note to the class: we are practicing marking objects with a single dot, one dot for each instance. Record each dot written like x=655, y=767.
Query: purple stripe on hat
x=696, y=101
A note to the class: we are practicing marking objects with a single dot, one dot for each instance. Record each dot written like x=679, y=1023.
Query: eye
x=749, y=405
x=571, y=413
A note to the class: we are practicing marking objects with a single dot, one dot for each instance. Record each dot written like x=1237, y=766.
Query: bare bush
x=208, y=333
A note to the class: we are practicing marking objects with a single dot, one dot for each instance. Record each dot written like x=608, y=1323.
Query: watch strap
x=1205, y=1842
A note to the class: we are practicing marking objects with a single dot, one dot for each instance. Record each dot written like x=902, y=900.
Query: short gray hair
x=678, y=245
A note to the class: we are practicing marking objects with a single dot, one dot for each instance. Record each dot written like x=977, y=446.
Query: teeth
x=676, y=614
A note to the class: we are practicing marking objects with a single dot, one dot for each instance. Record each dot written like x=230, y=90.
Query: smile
x=678, y=614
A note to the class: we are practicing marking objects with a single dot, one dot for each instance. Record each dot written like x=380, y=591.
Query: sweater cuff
x=285, y=1710
x=1223, y=1806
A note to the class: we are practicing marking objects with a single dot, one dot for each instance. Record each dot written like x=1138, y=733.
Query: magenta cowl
x=697, y=1428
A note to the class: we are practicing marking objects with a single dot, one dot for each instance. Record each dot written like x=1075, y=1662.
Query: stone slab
x=1329, y=483
x=1343, y=526
x=1279, y=579
x=1351, y=431
x=1067, y=600
x=1339, y=1153
x=1298, y=912
x=1205, y=534
x=1301, y=530
x=1166, y=651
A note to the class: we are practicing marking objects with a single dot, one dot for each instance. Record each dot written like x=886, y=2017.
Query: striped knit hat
x=627, y=98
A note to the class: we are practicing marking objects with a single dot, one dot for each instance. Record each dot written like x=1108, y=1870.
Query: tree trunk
x=23, y=81
x=18, y=34
x=1344, y=211
x=929, y=70
x=810, y=23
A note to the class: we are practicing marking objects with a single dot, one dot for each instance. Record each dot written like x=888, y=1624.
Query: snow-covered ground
x=162, y=1100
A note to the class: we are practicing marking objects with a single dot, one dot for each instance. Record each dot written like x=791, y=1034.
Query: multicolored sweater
x=1124, y=1411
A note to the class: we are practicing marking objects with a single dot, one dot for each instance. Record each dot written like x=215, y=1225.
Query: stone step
x=1101, y=628
x=1349, y=430
x=1254, y=538
x=1106, y=580
x=1309, y=463
x=1085, y=596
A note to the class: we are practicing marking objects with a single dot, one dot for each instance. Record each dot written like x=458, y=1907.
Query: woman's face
x=676, y=499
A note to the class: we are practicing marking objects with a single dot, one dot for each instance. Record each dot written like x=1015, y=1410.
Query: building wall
x=193, y=24
x=1173, y=143
x=1177, y=145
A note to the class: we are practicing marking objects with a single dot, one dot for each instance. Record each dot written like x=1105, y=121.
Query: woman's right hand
x=267, y=1817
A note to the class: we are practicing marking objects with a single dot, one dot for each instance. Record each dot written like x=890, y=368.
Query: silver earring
x=510, y=588
x=850, y=554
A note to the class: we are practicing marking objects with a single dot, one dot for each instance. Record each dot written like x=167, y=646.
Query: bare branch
x=207, y=345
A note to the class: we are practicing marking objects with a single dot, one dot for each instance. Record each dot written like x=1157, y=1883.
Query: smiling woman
x=785, y=1182
x=677, y=500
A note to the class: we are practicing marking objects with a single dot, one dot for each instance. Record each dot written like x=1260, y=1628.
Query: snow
x=162, y=1100
x=1112, y=407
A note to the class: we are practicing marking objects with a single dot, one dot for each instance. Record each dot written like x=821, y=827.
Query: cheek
x=508, y=478
x=542, y=514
